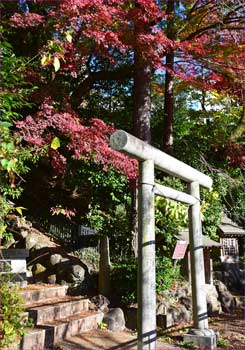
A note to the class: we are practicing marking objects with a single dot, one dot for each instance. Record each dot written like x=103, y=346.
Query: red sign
x=180, y=249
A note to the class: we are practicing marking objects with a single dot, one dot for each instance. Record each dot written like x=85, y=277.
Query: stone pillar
x=200, y=334
x=146, y=259
x=104, y=268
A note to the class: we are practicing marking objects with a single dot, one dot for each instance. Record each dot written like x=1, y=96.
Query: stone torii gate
x=150, y=158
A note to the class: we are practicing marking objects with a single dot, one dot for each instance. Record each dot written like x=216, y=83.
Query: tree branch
x=82, y=90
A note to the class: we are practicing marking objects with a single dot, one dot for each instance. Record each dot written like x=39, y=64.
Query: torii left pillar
x=146, y=259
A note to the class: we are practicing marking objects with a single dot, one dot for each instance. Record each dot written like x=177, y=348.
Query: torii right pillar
x=200, y=335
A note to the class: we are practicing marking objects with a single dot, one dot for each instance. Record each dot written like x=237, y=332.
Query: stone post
x=104, y=268
x=200, y=334
x=146, y=259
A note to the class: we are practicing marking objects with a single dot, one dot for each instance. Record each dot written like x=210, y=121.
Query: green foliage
x=234, y=201
x=14, y=90
x=103, y=325
x=211, y=211
x=124, y=281
x=170, y=217
x=13, y=320
x=5, y=209
x=109, y=207
x=13, y=156
x=124, y=278
x=223, y=342
x=188, y=345
x=166, y=274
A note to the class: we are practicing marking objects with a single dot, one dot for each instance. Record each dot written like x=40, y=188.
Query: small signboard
x=86, y=231
x=180, y=249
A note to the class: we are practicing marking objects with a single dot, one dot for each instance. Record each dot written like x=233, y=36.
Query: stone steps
x=55, y=311
x=51, y=332
x=42, y=293
x=56, y=316
x=73, y=325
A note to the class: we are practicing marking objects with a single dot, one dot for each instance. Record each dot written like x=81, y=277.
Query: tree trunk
x=168, y=106
x=141, y=122
x=142, y=98
x=169, y=86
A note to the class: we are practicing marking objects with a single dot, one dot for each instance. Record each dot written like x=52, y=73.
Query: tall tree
x=210, y=41
x=169, y=83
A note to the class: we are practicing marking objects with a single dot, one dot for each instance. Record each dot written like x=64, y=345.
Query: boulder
x=220, y=286
x=228, y=302
x=213, y=304
x=38, y=269
x=131, y=317
x=186, y=301
x=115, y=319
x=55, y=259
x=184, y=315
x=51, y=279
x=100, y=302
x=31, y=241
x=78, y=272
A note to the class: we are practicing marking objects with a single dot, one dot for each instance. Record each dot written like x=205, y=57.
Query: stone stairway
x=56, y=316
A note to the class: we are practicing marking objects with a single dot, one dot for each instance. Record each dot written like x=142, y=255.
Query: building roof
x=229, y=228
x=207, y=242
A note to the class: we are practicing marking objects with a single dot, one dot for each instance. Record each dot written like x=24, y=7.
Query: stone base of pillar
x=205, y=339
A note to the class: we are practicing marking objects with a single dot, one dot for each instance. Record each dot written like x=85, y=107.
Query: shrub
x=12, y=317
x=124, y=278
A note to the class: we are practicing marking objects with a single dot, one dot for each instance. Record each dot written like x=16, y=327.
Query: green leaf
x=55, y=144
x=10, y=146
x=56, y=64
x=4, y=163
x=5, y=124
x=11, y=165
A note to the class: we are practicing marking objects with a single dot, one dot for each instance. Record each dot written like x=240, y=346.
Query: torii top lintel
x=138, y=149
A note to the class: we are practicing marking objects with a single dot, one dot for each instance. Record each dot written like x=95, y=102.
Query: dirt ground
x=231, y=329
x=229, y=326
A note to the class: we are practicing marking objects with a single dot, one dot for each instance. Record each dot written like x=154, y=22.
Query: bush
x=124, y=278
x=12, y=315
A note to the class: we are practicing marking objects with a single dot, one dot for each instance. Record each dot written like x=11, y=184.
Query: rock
x=37, y=269
x=131, y=317
x=213, y=304
x=18, y=223
x=24, y=233
x=181, y=292
x=228, y=302
x=184, y=315
x=220, y=286
x=51, y=279
x=101, y=302
x=186, y=301
x=78, y=272
x=70, y=270
x=55, y=259
x=31, y=241
x=218, y=275
x=115, y=319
